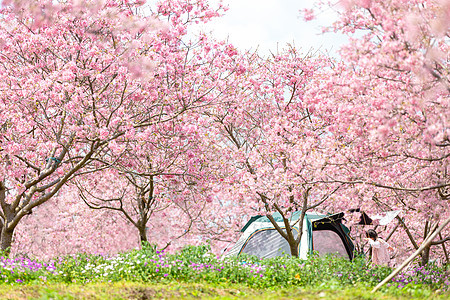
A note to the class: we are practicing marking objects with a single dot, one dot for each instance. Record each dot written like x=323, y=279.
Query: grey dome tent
x=322, y=233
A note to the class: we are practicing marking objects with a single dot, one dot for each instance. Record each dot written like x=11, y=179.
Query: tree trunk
x=294, y=248
x=142, y=234
x=445, y=250
x=425, y=255
x=6, y=237
x=292, y=240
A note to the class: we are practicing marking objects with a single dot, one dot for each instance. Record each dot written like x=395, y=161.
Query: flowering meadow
x=128, y=122
x=197, y=265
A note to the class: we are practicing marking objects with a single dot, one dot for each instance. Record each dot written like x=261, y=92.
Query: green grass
x=175, y=290
x=194, y=272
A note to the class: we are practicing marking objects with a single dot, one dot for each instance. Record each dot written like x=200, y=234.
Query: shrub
x=197, y=264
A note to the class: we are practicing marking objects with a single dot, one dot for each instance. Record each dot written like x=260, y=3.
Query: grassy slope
x=127, y=290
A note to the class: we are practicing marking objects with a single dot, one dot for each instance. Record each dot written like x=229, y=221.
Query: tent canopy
x=321, y=233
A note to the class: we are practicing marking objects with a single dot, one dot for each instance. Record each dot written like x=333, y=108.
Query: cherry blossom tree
x=277, y=145
x=391, y=100
x=64, y=225
x=75, y=77
x=163, y=176
x=169, y=168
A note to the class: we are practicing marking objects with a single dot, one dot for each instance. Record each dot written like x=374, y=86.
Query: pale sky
x=266, y=24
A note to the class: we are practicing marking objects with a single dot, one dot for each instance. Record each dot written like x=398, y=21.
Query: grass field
x=175, y=290
x=195, y=273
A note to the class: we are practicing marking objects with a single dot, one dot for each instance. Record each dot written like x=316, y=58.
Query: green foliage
x=177, y=290
x=198, y=265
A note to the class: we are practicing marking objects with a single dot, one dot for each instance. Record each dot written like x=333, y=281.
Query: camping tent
x=321, y=233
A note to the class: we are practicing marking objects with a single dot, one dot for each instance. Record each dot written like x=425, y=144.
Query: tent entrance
x=328, y=242
x=329, y=236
